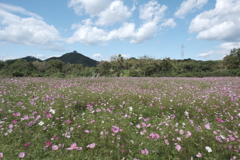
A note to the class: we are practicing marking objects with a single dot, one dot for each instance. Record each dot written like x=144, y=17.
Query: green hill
x=76, y=58
x=31, y=59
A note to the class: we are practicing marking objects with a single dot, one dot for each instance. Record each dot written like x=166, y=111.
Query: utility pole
x=182, y=54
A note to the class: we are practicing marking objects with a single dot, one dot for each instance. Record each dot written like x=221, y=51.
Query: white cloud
x=188, y=6
x=88, y=34
x=98, y=55
x=91, y=7
x=151, y=13
x=205, y=55
x=220, y=52
x=169, y=23
x=40, y=56
x=7, y=57
x=25, y=31
x=213, y=55
x=144, y=33
x=126, y=31
x=55, y=47
x=220, y=23
x=116, y=12
x=125, y=56
x=91, y=35
x=230, y=45
x=11, y=8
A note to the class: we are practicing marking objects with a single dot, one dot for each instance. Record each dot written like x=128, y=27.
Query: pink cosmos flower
x=178, y=147
x=154, y=136
x=55, y=137
x=1, y=155
x=144, y=151
x=231, y=138
x=138, y=126
x=144, y=125
x=91, y=145
x=10, y=126
x=166, y=141
x=17, y=114
x=19, y=103
x=218, y=138
x=188, y=134
x=115, y=129
x=79, y=148
x=48, y=115
x=55, y=147
x=199, y=155
x=14, y=121
x=181, y=131
x=86, y=131
x=179, y=139
x=73, y=146
x=21, y=155
x=207, y=126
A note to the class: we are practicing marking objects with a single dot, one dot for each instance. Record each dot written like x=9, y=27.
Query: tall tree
x=232, y=61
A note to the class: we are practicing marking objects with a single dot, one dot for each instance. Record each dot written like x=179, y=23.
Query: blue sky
x=208, y=29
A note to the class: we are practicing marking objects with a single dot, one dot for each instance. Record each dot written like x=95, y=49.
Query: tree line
x=119, y=67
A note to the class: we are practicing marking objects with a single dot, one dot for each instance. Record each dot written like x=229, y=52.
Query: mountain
x=31, y=59
x=76, y=58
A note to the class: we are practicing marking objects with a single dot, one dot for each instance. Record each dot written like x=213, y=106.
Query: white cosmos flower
x=222, y=137
x=52, y=111
x=130, y=109
x=208, y=149
x=41, y=123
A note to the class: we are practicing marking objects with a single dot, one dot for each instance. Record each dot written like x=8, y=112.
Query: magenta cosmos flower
x=115, y=129
x=27, y=144
x=68, y=121
x=48, y=144
x=219, y=120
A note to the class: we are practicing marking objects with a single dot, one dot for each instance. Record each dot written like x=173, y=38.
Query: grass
x=119, y=118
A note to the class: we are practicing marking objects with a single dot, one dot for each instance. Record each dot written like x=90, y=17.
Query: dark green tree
x=232, y=61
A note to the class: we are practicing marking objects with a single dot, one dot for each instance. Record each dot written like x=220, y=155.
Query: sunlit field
x=120, y=118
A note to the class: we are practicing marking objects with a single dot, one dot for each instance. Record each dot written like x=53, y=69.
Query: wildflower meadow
x=120, y=118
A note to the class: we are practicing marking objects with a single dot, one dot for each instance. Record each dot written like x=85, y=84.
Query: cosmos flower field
x=120, y=118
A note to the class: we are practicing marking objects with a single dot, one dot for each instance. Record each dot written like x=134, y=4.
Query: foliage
x=76, y=65
x=232, y=61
